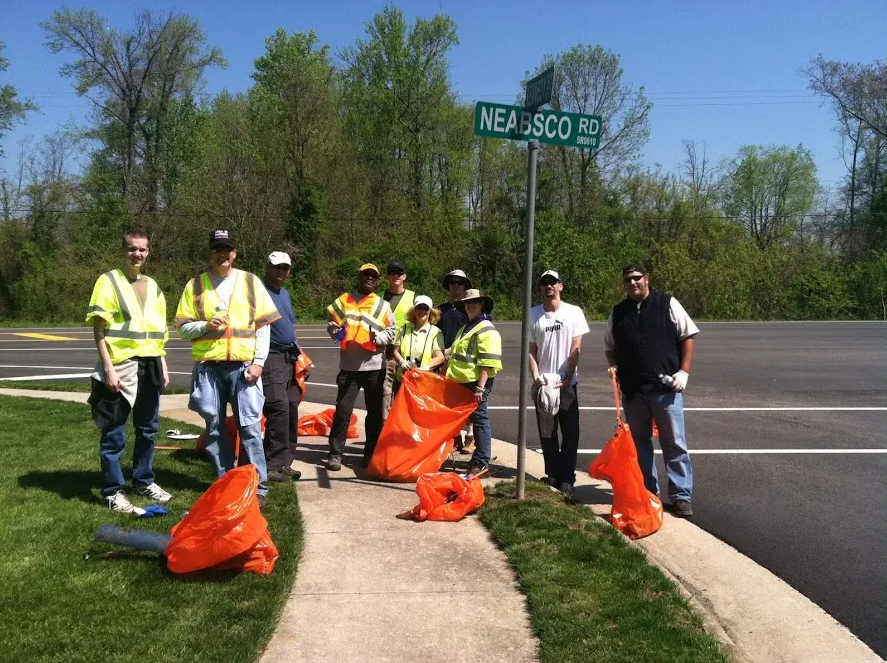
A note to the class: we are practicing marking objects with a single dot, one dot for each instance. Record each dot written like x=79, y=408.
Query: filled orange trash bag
x=224, y=529
x=418, y=435
x=445, y=496
x=318, y=425
x=636, y=512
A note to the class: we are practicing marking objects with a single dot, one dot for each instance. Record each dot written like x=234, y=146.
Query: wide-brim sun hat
x=473, y=295
x=457, y=273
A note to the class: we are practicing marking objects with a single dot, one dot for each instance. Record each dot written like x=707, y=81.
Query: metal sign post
x=533, y=153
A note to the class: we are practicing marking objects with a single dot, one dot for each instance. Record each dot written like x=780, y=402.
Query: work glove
x=680, y=381
x=612, y=370
x=540, y=382
x=405, y=366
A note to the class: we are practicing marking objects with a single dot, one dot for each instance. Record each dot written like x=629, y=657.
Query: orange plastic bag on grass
x=445, y=496
x=417, y=437
x=636, y=512
x=224, y=529
x=318, y=425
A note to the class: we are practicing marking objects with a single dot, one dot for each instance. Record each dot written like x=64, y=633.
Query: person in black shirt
x=452, y=319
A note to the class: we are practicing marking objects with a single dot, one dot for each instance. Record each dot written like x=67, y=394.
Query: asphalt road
x=800, y=491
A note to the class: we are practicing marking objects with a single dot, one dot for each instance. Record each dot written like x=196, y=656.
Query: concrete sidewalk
x=371, y=587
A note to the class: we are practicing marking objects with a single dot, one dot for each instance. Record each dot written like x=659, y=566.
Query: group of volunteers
x=243, y=338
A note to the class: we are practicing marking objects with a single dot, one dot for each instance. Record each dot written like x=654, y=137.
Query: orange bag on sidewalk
x=417, y=437
x=636, y=512
x=445, y=496
x=318, y=425
x=224, y=529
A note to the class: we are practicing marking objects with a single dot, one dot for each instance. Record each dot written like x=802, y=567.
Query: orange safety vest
x=371, y=313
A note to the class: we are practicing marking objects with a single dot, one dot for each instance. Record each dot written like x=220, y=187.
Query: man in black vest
x=649, y=343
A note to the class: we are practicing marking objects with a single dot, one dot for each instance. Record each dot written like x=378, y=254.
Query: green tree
x=769, y=189
x=12, y=108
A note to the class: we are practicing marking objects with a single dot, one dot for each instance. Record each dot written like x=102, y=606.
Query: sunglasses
x=457, y=282
x=632, y=279
x=547, y=282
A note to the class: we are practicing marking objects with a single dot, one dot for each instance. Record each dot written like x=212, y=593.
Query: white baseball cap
x=423, y=299
x=550, y=272
x=280, y=258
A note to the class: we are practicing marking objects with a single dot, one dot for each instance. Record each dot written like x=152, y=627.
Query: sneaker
x=682, y=509
x=334, y=463
x=567, y=489
x=118, y=502
x=155, y=492
x=476, y=468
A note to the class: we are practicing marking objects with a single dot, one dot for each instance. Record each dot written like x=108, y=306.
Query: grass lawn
x=591, y=596
x=67, y=385
x=55, y=606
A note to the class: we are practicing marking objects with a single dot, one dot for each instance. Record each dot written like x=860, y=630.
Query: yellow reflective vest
x=130, y=331
x=250, y=307
x=403, y=307
x=420, y=353
x=359, y=317
x=479, y=348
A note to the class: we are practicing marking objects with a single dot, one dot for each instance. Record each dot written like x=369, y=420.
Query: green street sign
x=539, y=90
x=547, y=126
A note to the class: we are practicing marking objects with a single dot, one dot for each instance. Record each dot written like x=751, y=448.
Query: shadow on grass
x=72, y=484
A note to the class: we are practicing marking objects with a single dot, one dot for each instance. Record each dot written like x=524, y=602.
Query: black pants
x=281, y=410
x=349, y=383
x=560, y=458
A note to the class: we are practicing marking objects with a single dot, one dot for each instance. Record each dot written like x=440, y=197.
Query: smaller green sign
x=547, y=126
x=539, y=90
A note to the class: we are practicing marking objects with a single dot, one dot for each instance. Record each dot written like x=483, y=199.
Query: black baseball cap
x=633, y=267
x=395, y=267
x=220, y=238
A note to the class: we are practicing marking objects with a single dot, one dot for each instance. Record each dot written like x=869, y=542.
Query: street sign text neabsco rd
x=547, y=126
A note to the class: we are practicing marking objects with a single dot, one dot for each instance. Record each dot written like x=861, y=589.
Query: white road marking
x=46, y=377
x=694, y=452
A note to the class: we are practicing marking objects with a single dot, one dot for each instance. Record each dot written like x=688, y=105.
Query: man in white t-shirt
x=556, y=340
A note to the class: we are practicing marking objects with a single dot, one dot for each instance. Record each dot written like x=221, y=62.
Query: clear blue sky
x=722, y=72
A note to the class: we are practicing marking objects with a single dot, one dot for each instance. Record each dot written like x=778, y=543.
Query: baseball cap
x=633, y=267
x=221, y=237
x=553, y=274
x=395, y=267
x=423, y=299
x=279, y=258
x=368, y=266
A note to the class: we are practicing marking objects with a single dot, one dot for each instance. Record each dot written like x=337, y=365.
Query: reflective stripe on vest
x=134, y=332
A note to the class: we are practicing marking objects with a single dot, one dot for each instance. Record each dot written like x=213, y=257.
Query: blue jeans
x=215, y=384
x=113, y=441
x=483, y=434
x=667, y=408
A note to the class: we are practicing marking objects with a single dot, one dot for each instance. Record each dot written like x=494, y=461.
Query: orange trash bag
x=636, y=512
x=445, y=496
x=224, y=529
x=301, y=370
x=318, y=425
x=417, y=437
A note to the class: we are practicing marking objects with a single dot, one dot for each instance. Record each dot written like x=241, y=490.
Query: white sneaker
x=118, y=502
x=155, y=492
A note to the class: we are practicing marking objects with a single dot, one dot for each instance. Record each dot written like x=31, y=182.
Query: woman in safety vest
x=419, y=343
x=474, y=359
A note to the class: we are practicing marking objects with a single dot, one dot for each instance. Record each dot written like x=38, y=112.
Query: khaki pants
x=388, y=387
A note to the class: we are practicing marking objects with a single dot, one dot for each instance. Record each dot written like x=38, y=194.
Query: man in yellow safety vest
x=226, y=313
x=401, y=301
x=363, y=324
x=128, y=314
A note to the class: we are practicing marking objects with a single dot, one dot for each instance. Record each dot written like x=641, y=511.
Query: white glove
x=680, y=381
x=612, y=370
x=405, y=366
x=540, y=381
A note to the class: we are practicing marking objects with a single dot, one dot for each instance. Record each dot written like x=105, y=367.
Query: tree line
x=367, y=154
